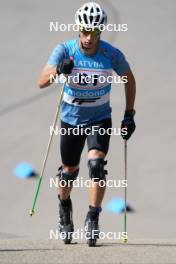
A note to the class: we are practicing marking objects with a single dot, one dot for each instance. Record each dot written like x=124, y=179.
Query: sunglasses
x=93, y=32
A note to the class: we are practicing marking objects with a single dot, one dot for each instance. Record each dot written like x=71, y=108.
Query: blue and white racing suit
x=87, y=102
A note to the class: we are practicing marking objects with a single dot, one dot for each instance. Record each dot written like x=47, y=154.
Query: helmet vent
x=97, y=19
x=102, y=21
x=80, y=19
x=85, y=18
x=91, y=11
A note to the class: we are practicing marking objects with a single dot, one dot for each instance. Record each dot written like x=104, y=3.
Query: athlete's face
x=89, y=40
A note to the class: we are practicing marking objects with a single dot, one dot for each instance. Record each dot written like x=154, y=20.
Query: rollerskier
x=86, y=103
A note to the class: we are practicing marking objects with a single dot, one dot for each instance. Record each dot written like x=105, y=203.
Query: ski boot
x=65, y=223
x=91, y=226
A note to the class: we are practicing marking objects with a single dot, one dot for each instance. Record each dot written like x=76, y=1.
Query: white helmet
x=90, y=15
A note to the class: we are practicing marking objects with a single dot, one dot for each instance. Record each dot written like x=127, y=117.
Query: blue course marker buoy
x=115, y=205
x=24, y=170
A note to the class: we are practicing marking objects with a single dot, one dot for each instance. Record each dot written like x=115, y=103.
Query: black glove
x=65, y=66
x=128, y=123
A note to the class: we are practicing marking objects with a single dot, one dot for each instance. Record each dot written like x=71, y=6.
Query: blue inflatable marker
x=24, y=170
x=117, y=205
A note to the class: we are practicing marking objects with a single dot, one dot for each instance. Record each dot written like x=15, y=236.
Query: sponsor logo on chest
x=89, y=64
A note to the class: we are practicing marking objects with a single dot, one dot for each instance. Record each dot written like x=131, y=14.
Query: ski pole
x=125, y=209
x=32, y=211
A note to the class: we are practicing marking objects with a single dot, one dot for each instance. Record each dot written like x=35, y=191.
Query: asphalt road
x=27, y=112
x=44, y=251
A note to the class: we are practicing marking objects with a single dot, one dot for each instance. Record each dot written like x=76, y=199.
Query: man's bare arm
x=47, y=72
x=130, y=90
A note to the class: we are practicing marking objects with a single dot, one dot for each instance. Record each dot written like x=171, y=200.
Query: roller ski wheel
x=66, y=234
x=92, y=242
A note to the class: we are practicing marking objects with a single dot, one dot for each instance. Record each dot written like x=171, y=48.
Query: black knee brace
x=96, y=169
x=67, y=177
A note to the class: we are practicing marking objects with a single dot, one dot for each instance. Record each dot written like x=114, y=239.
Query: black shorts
x=72, y=141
